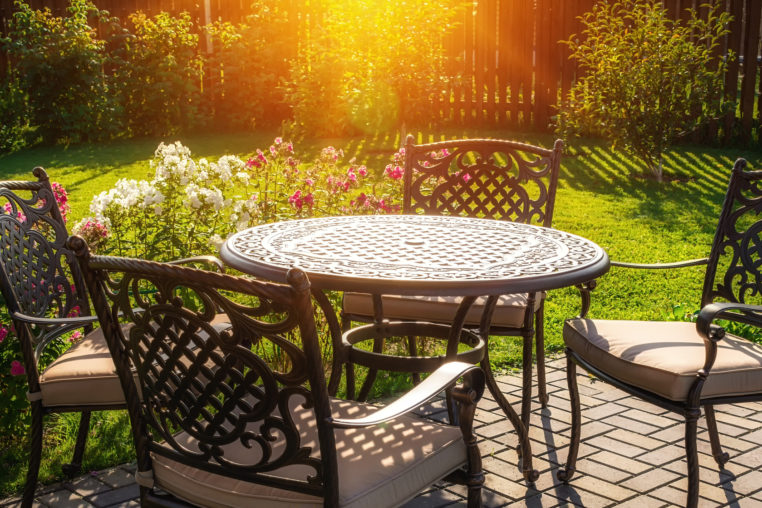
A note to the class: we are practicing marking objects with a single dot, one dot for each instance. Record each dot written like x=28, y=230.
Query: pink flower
x=17, y=369
x=75, y=336
x=309, y=200
x=74, y=311
x=309, y=181
x=251, y=163
x=466, y=177
x=278, y=140
x=296, y=199
x=362, y=170
x=394, y=172
x=3, y=332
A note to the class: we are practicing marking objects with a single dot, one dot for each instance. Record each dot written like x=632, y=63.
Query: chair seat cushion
x=509, y=311
x=85, y=375
x=663, y=357
x=383, y=465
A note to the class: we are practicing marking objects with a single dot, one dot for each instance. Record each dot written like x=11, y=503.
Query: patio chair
x=242, y=416
x=44, y=292
x=487, y=178
x=682, y=366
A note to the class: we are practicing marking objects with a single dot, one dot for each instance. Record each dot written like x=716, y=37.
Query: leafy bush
x=370, y=65
x=158, y=72
x=14, y=113
x=247, y=63
x=646, y=78
x=60, y=68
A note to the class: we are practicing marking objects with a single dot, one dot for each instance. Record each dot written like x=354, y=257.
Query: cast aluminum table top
x=417, y=254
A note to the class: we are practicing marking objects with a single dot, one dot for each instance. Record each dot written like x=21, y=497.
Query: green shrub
x=246, y=65
x=60, y=68
x=370, y=65
x=158, y=72
x=647, y=79
x=14, y=113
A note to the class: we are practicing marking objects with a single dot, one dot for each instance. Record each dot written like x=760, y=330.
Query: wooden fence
x=512, y=70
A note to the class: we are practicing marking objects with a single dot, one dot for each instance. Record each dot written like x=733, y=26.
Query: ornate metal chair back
x=487, y=178
x=733, y=272
x=39, y=276
x=205, y=387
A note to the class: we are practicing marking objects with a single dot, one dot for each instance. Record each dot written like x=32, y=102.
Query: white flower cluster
x=173, y=161
x=196, y=197
x=243, y=212
x=126, y=195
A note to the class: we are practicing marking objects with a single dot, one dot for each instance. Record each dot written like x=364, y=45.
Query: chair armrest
x=43, y=321
x=750, y=314
x=661, y=266
x=211, y=260
x=53, y=328
x=440, y=379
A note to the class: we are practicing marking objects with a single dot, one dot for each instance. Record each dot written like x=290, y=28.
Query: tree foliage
x=646, y=79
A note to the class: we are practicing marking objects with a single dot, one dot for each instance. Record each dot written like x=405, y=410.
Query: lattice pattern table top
x=417, y=254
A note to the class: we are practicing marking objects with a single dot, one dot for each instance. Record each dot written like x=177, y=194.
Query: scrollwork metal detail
x=209, y=378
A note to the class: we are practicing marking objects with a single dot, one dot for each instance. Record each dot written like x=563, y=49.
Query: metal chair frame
x=742, y=277
x=32, y=241
x=238, y=385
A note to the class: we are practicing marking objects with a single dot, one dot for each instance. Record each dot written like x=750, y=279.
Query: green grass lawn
x=601, y=197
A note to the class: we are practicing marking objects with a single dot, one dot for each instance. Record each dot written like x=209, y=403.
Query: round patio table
x=420, y=255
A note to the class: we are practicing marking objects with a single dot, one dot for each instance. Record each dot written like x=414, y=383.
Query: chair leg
x=412, y=350
x=566, y=474
x=714, y=437
x=75, y=466
x=349, y=367
x=539, y=337
x=526, y=392
x=35, y=456
x=691, y=452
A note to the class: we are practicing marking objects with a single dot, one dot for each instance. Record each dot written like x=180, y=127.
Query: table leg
x=524, y=448
x=339, y=354
x=527, y=361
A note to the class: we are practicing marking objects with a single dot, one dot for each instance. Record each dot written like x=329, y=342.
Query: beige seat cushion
x=85, y=374
x=383, y=465
x=509, y=311
x=663, y=357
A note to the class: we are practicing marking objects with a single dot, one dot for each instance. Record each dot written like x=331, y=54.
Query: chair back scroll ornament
x=245, y=401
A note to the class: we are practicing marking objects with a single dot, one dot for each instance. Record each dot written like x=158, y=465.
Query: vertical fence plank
x=491, y=33
x=748, y=86
x=468, y=73
x=731, y=76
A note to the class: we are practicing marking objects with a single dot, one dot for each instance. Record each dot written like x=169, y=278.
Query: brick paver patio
x=631, y=455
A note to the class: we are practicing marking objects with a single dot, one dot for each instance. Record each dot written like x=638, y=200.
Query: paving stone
x=642, y=502
x=650, y=480
x=634, y=438
x=663, y=455
x=604, y=488
x=118, y=495
x=116, y=477
x=621, y=422
x=63, y=498
x=618, y=461
x=748, y=483
x=604, y=442
x=87, y=486
x=650, y=418
x=602, y=471
x=433, y=499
